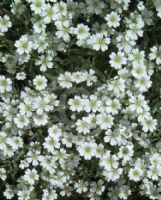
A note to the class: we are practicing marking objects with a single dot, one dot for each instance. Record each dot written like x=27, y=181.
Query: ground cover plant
x=80, y=85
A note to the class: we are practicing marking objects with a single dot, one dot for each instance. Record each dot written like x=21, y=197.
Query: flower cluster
x=5, y=24
x=80, y=100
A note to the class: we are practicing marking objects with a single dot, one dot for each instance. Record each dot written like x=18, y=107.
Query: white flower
x=59, y=179
x=126, y=152
x=92, y=104
x=135, y=174
x=33, y=157
x=92, y=120
x=60, y=155
x=83, y=126
x=42, y=105
x=89, y=77
x=21, y=121
x=117, y=60
x=55, y=131
x=37, y=6
x=99, y=150
x=45, y=62
x=40, y=119
x=51, y=143
x=21, y=76
x=64, y=32
x=138, y=71
x=46, y=194
x=82, y=31
x=15, y=142
x=27, y=95
x=78, y=77
x=5, y=84
x=113, y=193
x=137, y=57
x=134, y=32
x=3, y=139
x=48, y=162
x=24, y=45
x=25, y=194
x=95, y=6
x=81, y=186
x=137, y=104
x=97, y=187
x=23, y=164
x=153, y=172
x=3, y=174
x=109, y=161
x=113, y=19
x=87, y=150
x=9, y=192
x=156, y=54
x=31, y=176
x=147, y=16
x=105, y=121
x=149, y=124
x=141, y=6
x=99, y=42
x=8, y=151
x=114, y=174
x=155, y=159
x=39, y=27
x=76, y=104
x=124, y=43
x=65, y=80
x=113, y=106
x=53, y=100
x=63, y=20
x=5, y=23
x=40, y=43
x=143, y=83
x=40, y=82
x=25, y=109
x=61, y=9
x=154, y=191
x=67, y=139
x=117, y=86
x=49, y=13
x=113, y=137
x=124, y=192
